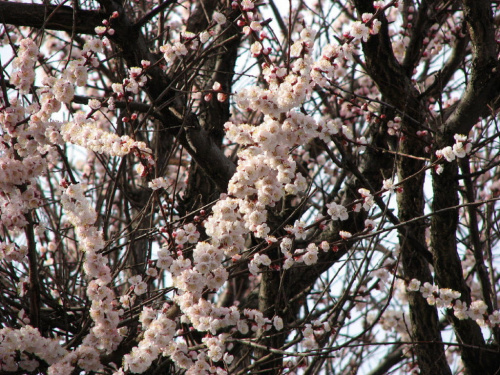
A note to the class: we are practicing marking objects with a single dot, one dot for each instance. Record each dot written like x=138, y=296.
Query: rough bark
x=392, y=79
x=481, y=90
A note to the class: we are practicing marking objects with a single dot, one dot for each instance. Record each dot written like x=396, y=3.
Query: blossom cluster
x=14, y=203
x=447, y=298
x=459, y=150
x=265, y=169
x=171, y=51
x=337, y=211
x=258, y=260
x=21, y=161
x=26, y=147
x=190, y=41
x=135, y=80
x=89, y=134
x=187, y=234
x=158, y=183
x=27, y=340
x=206, y=316
x=159, y=331
x=63, y=88
x=396, y=320
x=361, y=30
x=312, y=331
x=368, y=200
x=168, y=183
x=104, y=334
x=23, y=64
x=10, y=252
x=139, y=286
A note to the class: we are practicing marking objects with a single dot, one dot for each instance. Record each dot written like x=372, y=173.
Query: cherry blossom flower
x=219, y=18
x=337, y=211
x=413, y=286
x=359, y=31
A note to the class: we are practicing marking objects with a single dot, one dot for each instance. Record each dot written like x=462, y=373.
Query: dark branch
x=50, y=17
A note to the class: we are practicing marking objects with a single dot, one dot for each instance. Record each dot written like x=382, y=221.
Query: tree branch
x=484, y=83
x=390, y=77
x=59, y=17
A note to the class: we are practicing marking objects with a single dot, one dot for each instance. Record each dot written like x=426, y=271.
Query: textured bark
x=448, y=271
x=483, y=85
x=481, y=90
x=392, y=80
x=214, y=114
x=424, y=318
x=271, y=302
x=424, y=19
x=51, y=17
